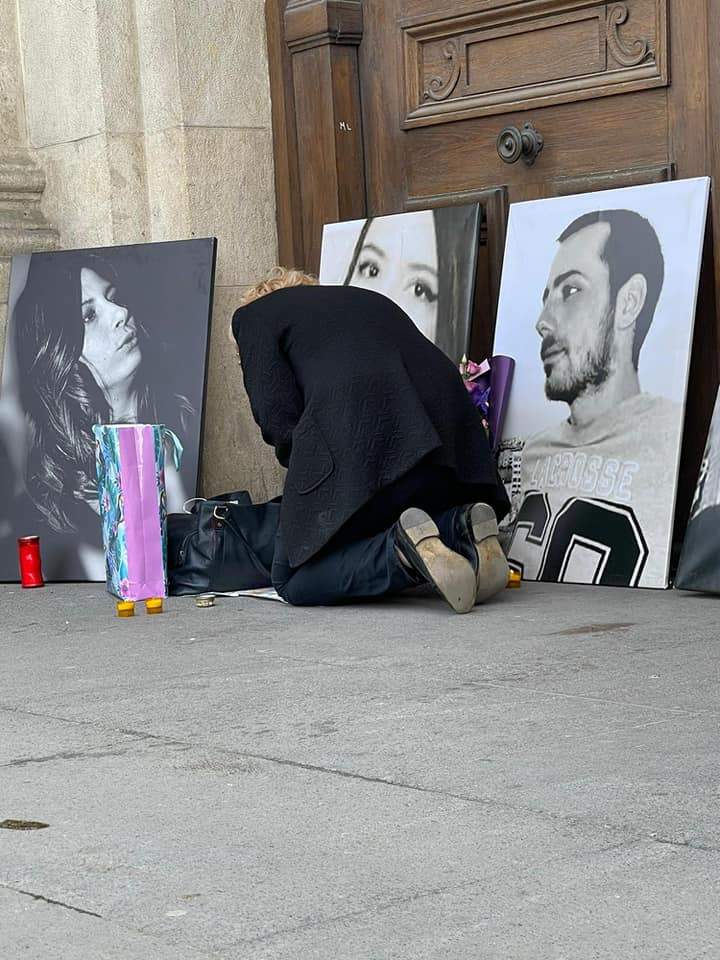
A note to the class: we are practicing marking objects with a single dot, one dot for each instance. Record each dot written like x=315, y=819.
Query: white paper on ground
x=262, y=593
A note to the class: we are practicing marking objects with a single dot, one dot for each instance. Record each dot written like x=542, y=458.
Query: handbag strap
x=238, y=498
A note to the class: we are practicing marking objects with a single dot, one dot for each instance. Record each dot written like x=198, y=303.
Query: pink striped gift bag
x=133, y=509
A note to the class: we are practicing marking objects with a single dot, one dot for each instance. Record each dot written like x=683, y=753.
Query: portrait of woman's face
x=424, y=260
x=107, y=335
x=110, y=346
x=403, y=265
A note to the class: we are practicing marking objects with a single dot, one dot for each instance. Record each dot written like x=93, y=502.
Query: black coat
x=352, y=396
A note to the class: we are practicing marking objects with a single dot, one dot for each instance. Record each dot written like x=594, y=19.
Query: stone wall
x=11, y=113
x=22, y=225
x=151, y=121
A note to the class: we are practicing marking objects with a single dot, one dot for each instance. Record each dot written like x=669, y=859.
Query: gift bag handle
x=176, y=446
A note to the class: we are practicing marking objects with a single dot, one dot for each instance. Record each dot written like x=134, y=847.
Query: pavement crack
x=24, y=712
x=685, y=844
x=350, y=775
x=672, y=712
x=65, y=755
x=370, y=910
x=140, y=735
x=398, y=901
x=55, y=903
x=490, y=802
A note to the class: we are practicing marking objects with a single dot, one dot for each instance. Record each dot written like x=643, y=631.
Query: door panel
x=580, y=139
x=521, y=56
x=544, y=58
x=496, y=64
x=611, y=180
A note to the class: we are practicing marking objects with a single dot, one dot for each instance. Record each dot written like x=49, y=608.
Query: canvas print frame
x=699, y=566
x=138, y=353
x=591, y=461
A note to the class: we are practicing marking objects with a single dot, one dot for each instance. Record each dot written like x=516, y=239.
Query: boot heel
x=418, y=525
x=493, y=569
x=452, y=576
x=483, y=522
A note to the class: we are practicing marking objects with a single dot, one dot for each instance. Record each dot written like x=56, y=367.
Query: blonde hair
x=277, y=279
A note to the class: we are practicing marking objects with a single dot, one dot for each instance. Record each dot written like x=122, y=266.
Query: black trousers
x=361, y=561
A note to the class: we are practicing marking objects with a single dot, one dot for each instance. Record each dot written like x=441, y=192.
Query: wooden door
x=401, y=103
x=592, y=79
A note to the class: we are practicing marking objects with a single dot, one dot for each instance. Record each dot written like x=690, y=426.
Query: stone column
x=23, y=228
x=84, y=117
x=208, y=143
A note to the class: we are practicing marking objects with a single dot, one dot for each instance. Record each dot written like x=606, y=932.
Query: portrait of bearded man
x=601, y=476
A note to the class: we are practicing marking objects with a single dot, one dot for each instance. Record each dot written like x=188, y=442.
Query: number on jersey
x=588, y=541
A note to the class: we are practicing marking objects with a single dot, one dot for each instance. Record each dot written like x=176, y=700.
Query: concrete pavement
x=539, y=779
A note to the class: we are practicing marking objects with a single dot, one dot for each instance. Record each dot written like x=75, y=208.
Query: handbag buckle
x=217, y=515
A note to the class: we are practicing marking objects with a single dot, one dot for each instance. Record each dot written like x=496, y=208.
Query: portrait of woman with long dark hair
x=88, y=347
x=424, y=261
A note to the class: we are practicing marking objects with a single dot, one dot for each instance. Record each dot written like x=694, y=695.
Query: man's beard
x=591, y=370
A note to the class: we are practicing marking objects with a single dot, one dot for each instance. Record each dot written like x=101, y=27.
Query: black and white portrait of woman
x=425, y=261
x=117, y=335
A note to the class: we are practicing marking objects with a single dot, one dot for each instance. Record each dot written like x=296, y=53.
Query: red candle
x=30, y=566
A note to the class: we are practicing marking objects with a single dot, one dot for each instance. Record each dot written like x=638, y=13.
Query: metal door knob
x=512, y=144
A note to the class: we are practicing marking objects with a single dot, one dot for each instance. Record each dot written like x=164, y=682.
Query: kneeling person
x=391, y=481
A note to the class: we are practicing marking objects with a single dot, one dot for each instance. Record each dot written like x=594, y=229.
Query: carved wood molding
x=520, y=56
x=639, y=49
x=439, y=89
x=316, y=23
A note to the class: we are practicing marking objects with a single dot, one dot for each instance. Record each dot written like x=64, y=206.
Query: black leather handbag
x=222, y=544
